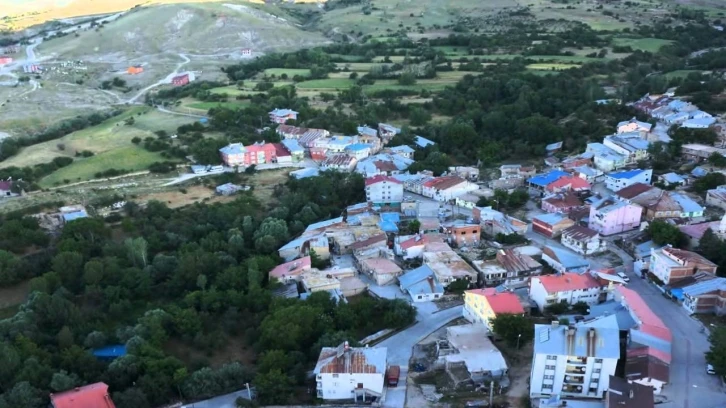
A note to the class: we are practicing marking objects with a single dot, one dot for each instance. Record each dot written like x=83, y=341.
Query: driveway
x=690, y=386
x=400, y=347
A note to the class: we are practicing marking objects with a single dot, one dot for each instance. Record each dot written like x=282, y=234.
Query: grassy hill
x=198, y=28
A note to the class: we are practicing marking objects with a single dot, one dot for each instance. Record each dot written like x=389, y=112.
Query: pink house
x=236, y=154
x=568, y=183
x=281, y=116
x=613, y=217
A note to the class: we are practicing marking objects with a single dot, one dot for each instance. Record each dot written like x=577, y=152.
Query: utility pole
x=491, y=392
x=249, y=393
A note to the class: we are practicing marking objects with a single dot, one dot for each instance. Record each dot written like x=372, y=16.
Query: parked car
x=392, y=375
x=710, y=370
x=624, y=277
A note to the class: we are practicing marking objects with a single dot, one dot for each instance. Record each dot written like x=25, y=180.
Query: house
x=367, y=131
x=463, y=348
x=494, y=222
x=135, y=70
x=351, y=373
x=698, y=152
x=88, y=396
x=676, y=118
x=236, y=154
x=551, y=225
x=389, y=222
x=541, y=181
x=467, y=172
x=717, y=197
x=387, y=132
x=563, y=260
x=511, y=268
x=291, y=271
x=580, y=160
x=630, y=145
x=463, y=234
x=561, y=203
x=670, y=264
x=358, y=150
x=702, y=123
x=422, y=142
x=246, y=52
x=6, y=188
x=72, y=212
x=688, y=207
x=634, y=125
x=329, y=280
x=570, y=288
x=510, y=170
x=471, y=199
x=657, y=203
x=5, y=59
x=383, y=271
x=180, y=80
x=335, y=144
x=229, y=189
x=605, y=158
x=403, y=151
x=318, y=154
x=447, y=264
x=672, y=179
x=568, y=183
x=619, y=180
x=627, y=394
x=446, y=188
x=588, y=173
x=281, y=116
x=303, y=245
x=648, y=352
x=553, y=148
x=413, y=246
x=573, y=361
x=641, y=257
x=297, y=153
x=609, y=217
x=707, y=296
x=421, y=284
x=384, y=191
x=340, y=162
x=485, y=305
x=382, y=163
x=582, y=240
x=507, y=184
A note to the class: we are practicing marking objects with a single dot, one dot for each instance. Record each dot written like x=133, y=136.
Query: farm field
x=551, y=66
x=290, y=72
x=205, y=106
x=131, y=158
x=643, y=44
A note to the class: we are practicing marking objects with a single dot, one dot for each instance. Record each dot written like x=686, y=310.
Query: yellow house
x=484, y=305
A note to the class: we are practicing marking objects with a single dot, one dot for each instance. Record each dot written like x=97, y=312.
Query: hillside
x=209, y=29
x=19, y=14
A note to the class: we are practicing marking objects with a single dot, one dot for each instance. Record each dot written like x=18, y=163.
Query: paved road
x=690, y=386
x=400, y=347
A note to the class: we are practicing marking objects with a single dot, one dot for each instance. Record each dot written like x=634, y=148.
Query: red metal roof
x=649, y=322
x=89, y=396
x=572, y=182
x=500, y=302
x=442, y=183
x=280, y=150
x=567, y=282
x=379, y=178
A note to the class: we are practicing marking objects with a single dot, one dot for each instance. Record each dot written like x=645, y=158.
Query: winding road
x=166, y=80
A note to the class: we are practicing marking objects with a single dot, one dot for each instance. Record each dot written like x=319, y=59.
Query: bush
x=458, y=286
x=557, y=308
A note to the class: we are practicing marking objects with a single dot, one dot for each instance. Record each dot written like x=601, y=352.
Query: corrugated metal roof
x=554, y=341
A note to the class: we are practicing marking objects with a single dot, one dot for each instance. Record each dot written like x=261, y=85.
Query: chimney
x=430, y=279
x=346, y=346
x=555, y=324
x=591, y=339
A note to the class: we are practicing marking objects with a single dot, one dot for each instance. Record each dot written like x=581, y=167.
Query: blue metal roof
x=627, y=174
x=75, y=215
x=391, y=217
x=422, y=141
x=554, y=146
x=544, y=179
x=402, y=149
x=686, y=203
x=672, y=178
x=415, y=281
x=356, y=147
x=388, y=226
x=283, y=112
x=293, y=146
x=110, y=352
x=365, y=130
x=699, y=172
x=550, y=218
x=568, y=259
x=234, y=148
x=553, y=341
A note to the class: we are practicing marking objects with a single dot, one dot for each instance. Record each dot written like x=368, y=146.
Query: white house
x=384, y=190
x=447, y=187
x=573, y=361
x=605, y=158
x=621, y=179
x=582, y=240
x=403, y=151
x=351, y=373
x=629, y=145
x=634, y=125
x=358, y=150
x=570, y=288
x=421, y=284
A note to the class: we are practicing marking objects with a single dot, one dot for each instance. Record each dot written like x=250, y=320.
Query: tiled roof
x=575, y=183
x=338, y=160
x=516, y=262
x=367, y=242
x=280, y=150
x=381, y=178
x=697, y=230
x=352, y=360
x=567, y=282
x=290, y=269
x=89, y=396
x=445, y=182
x=633, y=190
x=579, y=233
x=687, y=256
x=500, y=302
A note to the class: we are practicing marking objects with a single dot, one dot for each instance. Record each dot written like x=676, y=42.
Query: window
x=549, y=367
x=551, y=357
x=335, y=375
x=419, y=297
x=597, y=370
x=547, y=387
x=598, y=360
x=549, y=377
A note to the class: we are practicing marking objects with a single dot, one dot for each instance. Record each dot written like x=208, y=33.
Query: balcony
x=580, y=361
x=572, y=389
x=576, y=380
x=573, y=370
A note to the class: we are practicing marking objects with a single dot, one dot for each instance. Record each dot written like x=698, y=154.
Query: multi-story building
x=561, y=203
x=634, y=125
x=447, y=187
x=571, y=288
x=510, y=268
x=236, y=154
x=699, y=151
x=485, y=305
x=384, y=191
x=282, y=115
x=551, y=225
x=351, y=373
x=621, y=179
x=605, y=158
x=582, y=240
x=613, y=217
x=630, y=145
x=670, y=264
x=573, y=361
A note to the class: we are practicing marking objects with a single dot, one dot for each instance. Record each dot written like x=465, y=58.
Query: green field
x=291, y=72
x=643, y=44
x=551, y=66
x=682, y=73
x=330, y=83
x=126, y=158
x=205, y=106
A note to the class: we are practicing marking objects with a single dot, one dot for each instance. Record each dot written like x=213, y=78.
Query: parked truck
x=392, y=375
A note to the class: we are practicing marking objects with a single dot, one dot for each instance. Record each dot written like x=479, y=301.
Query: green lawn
x=681, y=73
x=289, y=71
x=330, y=83
x=452, y=50
x=643, y=44
x=127, y=158
x=205, y=106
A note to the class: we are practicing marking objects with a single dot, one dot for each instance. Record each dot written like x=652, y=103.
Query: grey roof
x=553, y=341
x=672, y=178
x=402, y=149
x=293, y=146
x=700, y=288
x=568, y=259
x=612, y=310
x=422, y=141
x=357, y=360
x=416, y=281
x=643, y=250
x=323, y=224
x=686, y=203
x=640, y=337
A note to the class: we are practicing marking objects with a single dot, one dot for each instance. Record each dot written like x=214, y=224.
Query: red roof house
x=180, y=80
x=500, y=302
x=291, y=270
x=5, y=59
x=568, y=183
x=89, y=396
x=380, y=178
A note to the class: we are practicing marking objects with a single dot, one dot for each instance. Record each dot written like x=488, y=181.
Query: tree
x=131, y=398
x=419, y=116
x=557, y=308
x=708, y=182
x=316, y=261
x=407, y=79
x=22, y=395
x=62, y=381
x=513, y=328
x=458, y=286
x=663, y=233
x=716, y=356
x=273, y=387
x=137, y=251
x=581, y=308
x=717, y=159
